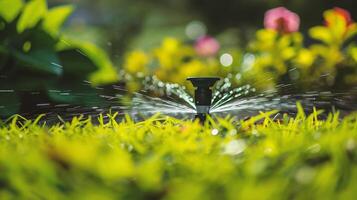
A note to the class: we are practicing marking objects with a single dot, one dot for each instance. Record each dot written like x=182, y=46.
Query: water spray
x=203, y=95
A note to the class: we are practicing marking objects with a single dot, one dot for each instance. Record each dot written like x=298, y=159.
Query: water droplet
x=42, y=104
x=195, y=29
x=234, y=147
x=317, y=135
x=226, y=59
x=233, y=132
x=130, y=147
x=6, y=91
x=238, y=76
x=314, y=148
x=268, y=150
x=140, y=74
x=215, y=132
x=57, y=65
x=305, y=175
x=350, y=145
x=255, y=132
x=248, y=61
x=161, y=84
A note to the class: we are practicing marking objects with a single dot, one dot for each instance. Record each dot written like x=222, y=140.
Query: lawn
x=166, y=158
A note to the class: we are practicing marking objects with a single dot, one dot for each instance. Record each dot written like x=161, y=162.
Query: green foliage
x=10, y=9
x=106, y=72
x=166, y=158
x=35, y=56
x=55, y=18
x=32, y=13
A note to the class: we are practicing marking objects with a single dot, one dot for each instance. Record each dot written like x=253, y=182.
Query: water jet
x=203, y=95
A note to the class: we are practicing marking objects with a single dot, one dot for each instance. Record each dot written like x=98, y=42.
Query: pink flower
x=207, y=46
x=282, y=20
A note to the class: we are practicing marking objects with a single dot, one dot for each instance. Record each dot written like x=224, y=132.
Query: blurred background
x=122, y=25
x=56, y=52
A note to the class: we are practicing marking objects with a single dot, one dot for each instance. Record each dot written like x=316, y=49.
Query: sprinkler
x=203, y=95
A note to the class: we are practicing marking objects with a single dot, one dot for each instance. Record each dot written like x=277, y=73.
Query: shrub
x=35, y=56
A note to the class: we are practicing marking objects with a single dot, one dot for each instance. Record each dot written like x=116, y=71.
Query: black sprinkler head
x=203, y=95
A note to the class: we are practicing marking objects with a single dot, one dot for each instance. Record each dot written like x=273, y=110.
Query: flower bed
x=323, y=57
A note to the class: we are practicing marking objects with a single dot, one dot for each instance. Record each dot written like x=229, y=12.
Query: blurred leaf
x=75, y=63
x=9, y=9
x=42, y=59
x=33, y=12
x=104, y=76
x=55, y=18
x=41, y=56
x=106, y=72
x=321, y=33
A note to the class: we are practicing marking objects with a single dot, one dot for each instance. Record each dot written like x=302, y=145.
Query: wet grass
x=165, y=158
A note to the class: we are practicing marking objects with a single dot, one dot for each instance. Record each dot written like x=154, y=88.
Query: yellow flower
x=265, y=40
x=167, y=54
x=192, y=68
x=338, y=27
x=136, y=61
x=305, y=58
x=287, y=53
x=171, y=45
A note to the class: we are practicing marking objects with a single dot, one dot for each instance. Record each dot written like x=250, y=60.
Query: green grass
x=166, y=158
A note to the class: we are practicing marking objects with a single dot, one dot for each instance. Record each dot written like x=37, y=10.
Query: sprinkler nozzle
x=203, y=95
